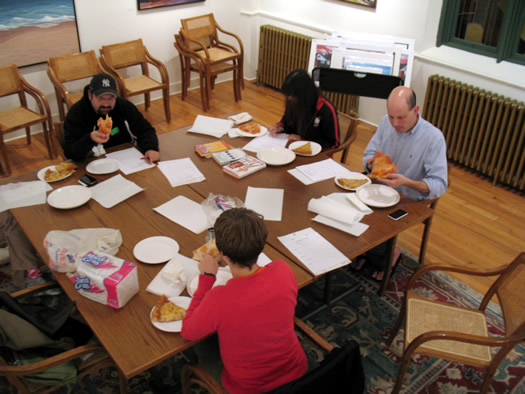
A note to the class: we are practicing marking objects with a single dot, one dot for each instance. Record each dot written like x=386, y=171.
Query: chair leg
x=208, y=87
x=5, y=165
x=424, y=240
x=401, y=375
x=48, y=136
x=167, y=110
x=28, y=135
x=204, y=96
x=397, y=326
x=241, y=73
x=147, y=100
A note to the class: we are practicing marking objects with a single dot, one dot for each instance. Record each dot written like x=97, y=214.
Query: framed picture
x=35, y=30
x=149, y=4
x=366, y=3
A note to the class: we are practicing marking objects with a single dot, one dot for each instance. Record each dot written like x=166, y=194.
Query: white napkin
x=332, y=209
x=241, y=118
x=266, y=202
x=98, y=150
x=352, y=197
x=114, y=190
x=355, y=229
x=173, y=285
x=23, y=194
x=211, y=126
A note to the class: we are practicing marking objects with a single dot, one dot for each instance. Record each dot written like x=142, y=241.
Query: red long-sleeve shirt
x=253, y=317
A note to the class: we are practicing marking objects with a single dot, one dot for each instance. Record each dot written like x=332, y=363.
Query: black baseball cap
x=103, y=83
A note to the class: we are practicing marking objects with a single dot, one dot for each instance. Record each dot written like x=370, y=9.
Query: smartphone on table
x=396, y=215
x=87, y=180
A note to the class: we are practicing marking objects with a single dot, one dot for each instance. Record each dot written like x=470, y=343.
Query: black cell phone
x=87, y=180
x=396, y=215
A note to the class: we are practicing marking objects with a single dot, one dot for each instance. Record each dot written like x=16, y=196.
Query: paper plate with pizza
x=251, y=129
x=57, y=172
x=305, y=148
x=351, y=180
x=383, y=166
x=168, y=313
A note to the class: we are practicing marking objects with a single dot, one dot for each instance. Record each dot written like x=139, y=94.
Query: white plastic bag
x=216, y=204
x=66, y=247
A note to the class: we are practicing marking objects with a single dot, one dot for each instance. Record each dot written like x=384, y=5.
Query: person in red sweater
x=252, y=314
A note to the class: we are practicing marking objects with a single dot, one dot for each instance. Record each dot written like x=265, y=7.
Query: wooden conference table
x=127, y=334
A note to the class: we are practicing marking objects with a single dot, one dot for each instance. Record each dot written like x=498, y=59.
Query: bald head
x=402, y=109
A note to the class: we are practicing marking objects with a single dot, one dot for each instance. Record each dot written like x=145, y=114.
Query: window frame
x=507, y=47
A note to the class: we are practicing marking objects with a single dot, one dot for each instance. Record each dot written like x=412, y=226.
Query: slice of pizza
x=209, y=247
x=305, y=149
x=383, y=165
x=165, y=311
x=105, y=125
x=251, y=127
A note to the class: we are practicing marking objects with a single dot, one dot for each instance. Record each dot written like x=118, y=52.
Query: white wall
x=104, y=22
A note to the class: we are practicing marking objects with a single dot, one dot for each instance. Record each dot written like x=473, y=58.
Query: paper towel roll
x=334, y=210
x=352, y=197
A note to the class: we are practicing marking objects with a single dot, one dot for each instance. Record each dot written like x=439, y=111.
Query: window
x=494, y=28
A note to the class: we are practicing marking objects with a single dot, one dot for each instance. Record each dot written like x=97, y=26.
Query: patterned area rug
x=361, y=315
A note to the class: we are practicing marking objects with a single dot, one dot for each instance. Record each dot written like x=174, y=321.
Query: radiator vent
x=484, y=131
x=281, y=51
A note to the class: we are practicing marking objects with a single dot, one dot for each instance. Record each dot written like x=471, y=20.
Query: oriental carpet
x=356, y=313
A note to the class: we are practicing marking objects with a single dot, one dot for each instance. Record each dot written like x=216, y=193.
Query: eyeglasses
x=105, y=98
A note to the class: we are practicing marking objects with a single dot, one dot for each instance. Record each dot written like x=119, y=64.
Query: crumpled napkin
x=174, y=273
x=98, y=150
x=240, y=118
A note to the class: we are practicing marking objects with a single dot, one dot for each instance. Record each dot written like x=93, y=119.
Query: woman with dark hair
x=308, y=115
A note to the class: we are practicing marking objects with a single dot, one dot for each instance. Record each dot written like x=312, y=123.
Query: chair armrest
x=56, y=83
x=203, y=47
x=39, y=97
x=163, y=71
x=232, y=35
x=108, y=68
x=461, y=337
x=33, y=289
x=313, y=335
x=193, y=373
x=433, y=267
x=30, y=369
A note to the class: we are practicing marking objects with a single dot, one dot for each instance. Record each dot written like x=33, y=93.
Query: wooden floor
x=477, y=225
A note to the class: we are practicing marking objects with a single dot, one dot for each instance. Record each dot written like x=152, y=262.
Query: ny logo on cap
x=106, y=83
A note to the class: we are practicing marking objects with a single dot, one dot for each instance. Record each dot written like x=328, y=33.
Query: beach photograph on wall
x=148, y=4
x=32, y=31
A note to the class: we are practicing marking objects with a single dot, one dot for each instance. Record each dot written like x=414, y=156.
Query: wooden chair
x=59, y=139
x=68, y=68
x=342, y=367
x=133, y=53
x=460, y=334
x=19, y=117
x=200, y=35
x=191, y=62
x=348, y=129
x=98, y=358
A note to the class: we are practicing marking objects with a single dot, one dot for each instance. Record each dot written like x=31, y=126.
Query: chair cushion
x=340, y=371
x=424, y=316
x=19, y=117
x=218, y=54
x=140, y=83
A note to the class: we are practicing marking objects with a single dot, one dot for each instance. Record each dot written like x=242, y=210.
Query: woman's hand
x=276, y=128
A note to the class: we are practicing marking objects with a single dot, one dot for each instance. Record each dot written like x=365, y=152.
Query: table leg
x=391, y=243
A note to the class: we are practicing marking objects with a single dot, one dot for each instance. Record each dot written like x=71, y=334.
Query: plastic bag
x=66, y=247
x=216, y=204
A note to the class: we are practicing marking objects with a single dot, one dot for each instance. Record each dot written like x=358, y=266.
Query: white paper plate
x=41, y=173
x=103, y=166
x=68, y=197
x=223, y=276
x=172, y=326
x=276, y=156
x=352, y=175
x=263, y=131
x=316, y=148
x=155, y=250
x=380, y=196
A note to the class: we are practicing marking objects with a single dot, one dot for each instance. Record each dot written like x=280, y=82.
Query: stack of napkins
x=335, y=210
x=172, y=279
x=211, y=126
x=318, y=171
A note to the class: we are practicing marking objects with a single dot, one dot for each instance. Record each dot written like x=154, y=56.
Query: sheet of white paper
x=23, y=194
x=300, y=176
x=181, y=172
x=185, y=212
x=211, y=126
x=266, y=141
x=114, y=190
x=355, y=229
x=321, y=170
x=265, y=201
x=263, y=260
x=130, y=160
x=314, y=251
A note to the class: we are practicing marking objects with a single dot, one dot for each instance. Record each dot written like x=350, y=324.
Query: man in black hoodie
x=100, y=98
